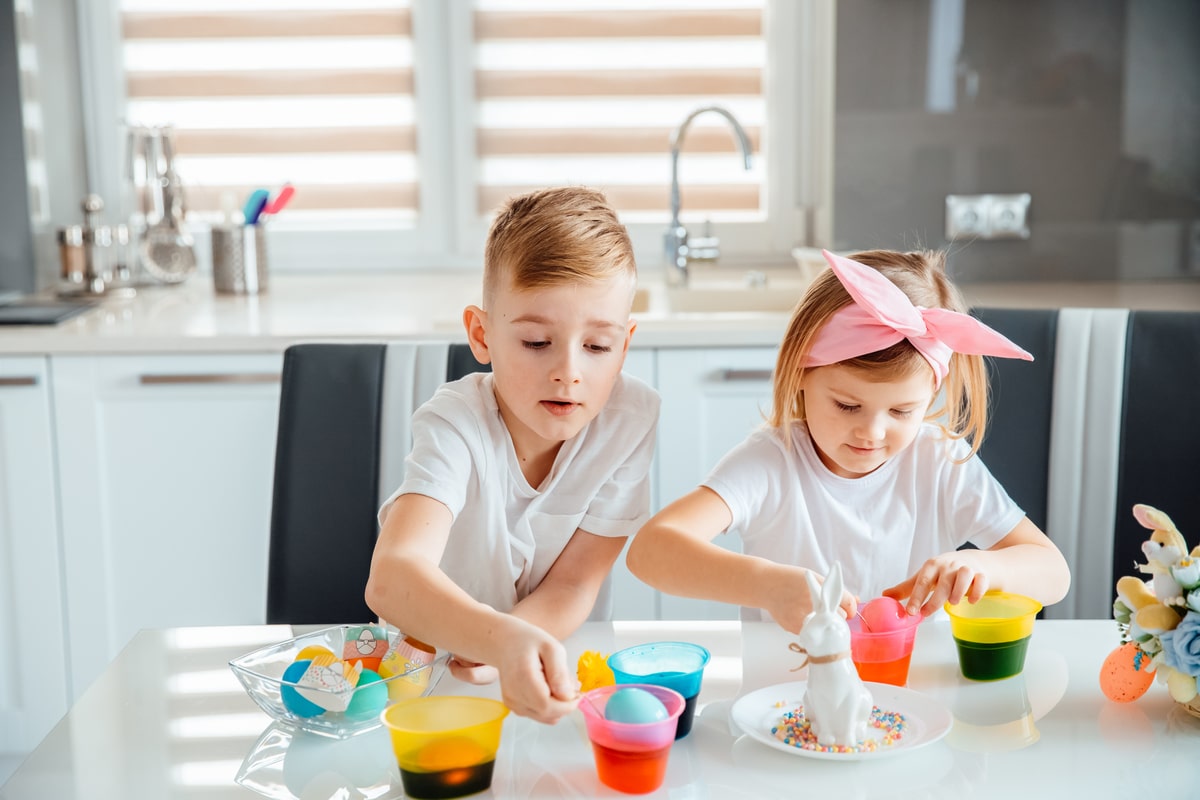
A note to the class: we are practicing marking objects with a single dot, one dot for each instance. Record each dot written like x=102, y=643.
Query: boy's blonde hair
x=922, y=277
x=557, y=236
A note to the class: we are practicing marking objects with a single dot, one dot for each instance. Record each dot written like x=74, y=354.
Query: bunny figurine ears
x=882, y=315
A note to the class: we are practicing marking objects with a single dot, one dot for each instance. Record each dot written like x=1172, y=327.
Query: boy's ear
x=475, y=321
x=629, y=334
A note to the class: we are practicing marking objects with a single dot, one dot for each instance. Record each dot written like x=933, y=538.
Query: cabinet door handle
x=746, y=374
x=219, y=377
x=19, y=380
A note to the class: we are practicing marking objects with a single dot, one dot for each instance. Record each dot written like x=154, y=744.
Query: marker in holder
x=239, y=259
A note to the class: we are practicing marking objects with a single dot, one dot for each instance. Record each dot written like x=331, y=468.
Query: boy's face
x=858, y=424
x=555, y=353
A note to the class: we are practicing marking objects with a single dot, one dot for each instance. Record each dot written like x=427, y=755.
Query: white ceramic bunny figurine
x=835, y=700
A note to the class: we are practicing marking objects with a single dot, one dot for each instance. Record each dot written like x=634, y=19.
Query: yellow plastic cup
x=445, y=746
x=993, y=635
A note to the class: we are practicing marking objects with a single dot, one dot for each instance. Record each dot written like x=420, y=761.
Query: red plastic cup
x=882, y=652
x=631, y=757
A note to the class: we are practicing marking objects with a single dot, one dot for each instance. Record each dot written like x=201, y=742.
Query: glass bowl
x=271, y=676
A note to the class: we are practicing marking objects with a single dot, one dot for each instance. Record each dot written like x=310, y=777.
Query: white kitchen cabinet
x=633, y=599
x=165, y=471
x=34, y=691
x=712, y=398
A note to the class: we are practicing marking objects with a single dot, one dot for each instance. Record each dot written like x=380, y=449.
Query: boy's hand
x=472, y=671
x=535, y=680
x=947, y=578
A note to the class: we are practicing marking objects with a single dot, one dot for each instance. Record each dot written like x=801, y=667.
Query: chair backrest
x=343, y=434
x=1017, y=446
x=1159, y=461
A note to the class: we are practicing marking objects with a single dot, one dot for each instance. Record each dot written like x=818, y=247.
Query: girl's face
x=857, y=424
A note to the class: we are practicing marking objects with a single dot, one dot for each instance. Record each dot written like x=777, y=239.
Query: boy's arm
x=565, y=597
x=407, y=588
x=674, y=553
x=1025, y=561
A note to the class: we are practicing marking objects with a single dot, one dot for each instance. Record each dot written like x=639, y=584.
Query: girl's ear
x=475, y=321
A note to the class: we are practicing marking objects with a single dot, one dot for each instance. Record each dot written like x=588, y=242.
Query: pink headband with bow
x=882, y=315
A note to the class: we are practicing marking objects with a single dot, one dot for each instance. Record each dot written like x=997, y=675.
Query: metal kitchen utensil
x=166, y=251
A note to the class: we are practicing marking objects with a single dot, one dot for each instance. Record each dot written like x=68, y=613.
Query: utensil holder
x=239, y=259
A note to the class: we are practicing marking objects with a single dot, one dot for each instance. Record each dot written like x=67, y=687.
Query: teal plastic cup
x=673, y=665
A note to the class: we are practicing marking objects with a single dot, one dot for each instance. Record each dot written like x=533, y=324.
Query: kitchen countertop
x=192, y=318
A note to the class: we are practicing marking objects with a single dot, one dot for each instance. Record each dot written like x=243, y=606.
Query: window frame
x=450, y=234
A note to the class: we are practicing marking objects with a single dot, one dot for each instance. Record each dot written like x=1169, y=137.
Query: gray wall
x=1091, y=106
x=17, y=271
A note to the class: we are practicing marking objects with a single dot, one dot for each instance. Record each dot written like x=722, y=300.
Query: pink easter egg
x=884, y=614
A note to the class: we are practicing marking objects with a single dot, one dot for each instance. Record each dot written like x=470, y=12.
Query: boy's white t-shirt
x=789, y=508
x=506, y=534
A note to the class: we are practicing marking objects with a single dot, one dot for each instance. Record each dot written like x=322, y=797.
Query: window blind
x=589, y=92
x=262, y=92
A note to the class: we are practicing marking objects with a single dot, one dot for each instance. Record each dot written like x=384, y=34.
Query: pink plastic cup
x=881, y=641
x=631, y=757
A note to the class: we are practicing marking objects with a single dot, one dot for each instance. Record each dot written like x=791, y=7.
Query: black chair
x=1159, y=462
x=1017, y=446
x=338, y=403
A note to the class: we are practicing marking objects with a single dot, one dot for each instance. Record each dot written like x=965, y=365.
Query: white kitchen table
x=167, y=719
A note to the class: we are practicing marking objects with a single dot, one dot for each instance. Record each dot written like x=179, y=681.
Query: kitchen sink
x=726, y=290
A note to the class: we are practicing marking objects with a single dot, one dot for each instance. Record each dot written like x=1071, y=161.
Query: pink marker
x=276, y=205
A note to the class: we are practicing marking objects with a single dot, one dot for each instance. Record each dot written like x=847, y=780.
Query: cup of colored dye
x=445, y=746
x=631, y=757
x=675, y=665
x=881, y=641
x=993, y=635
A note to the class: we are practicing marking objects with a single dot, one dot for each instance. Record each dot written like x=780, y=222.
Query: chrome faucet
x=677, y=250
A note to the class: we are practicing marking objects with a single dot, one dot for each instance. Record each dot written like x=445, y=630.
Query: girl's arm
x=1025, y=562
x=407, y=588
x=674, y=553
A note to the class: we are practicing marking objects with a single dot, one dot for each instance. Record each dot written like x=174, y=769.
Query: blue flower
x=1181, y=647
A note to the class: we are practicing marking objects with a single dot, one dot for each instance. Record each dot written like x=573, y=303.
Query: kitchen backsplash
x=1090, y=107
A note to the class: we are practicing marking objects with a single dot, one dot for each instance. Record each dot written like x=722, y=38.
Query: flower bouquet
x=1160, y=616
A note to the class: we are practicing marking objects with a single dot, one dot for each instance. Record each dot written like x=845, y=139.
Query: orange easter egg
x=1125, y=674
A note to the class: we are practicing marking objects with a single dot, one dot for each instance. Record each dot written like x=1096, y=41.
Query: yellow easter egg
x=1125, y=674
x=312, y=651
x=451, y=753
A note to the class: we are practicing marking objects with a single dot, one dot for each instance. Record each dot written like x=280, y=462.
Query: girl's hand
x=789, y=601
x=947, y=578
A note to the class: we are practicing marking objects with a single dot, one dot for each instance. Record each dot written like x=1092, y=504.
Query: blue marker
x=255, y=205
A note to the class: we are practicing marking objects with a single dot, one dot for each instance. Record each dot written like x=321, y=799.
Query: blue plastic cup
x=674, y=665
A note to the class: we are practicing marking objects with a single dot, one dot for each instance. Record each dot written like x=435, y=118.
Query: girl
x=857, y=465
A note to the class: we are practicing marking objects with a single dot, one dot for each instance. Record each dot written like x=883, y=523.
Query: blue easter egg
x=634, y=705
x=292, y=700
x=370, y=695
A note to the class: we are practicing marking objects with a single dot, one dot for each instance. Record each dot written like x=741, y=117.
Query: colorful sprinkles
x=794, y=729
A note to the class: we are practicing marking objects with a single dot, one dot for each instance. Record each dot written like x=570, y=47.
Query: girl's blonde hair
x=922, y=277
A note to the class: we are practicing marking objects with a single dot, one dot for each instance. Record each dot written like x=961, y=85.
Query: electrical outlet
x=1008, y=216
x=987, y=216
x=966, y=215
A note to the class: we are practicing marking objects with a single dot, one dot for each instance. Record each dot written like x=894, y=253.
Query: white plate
x=756, y=713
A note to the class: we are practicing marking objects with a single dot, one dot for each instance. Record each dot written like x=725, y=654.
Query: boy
x=523, y=484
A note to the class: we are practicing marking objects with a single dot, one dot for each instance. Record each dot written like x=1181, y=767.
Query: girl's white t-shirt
x=507, y=534
x=789, y=508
